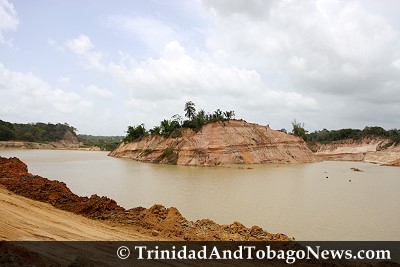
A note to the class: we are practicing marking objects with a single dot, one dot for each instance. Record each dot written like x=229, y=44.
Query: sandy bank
x=373, y=150
x=26, y=219
x=51, y=145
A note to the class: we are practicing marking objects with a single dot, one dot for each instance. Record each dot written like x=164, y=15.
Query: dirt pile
x=218, y=143
x=374, y=150
x=14, y=176
x=158, y=220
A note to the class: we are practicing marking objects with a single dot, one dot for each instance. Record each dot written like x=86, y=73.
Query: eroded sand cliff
x=218, y=143
x=374, y=150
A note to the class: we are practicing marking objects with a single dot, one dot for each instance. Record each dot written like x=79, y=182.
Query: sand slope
x=26, y=219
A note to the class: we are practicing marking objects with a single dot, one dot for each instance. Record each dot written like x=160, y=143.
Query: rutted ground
x=141, y=223
x=218, y=143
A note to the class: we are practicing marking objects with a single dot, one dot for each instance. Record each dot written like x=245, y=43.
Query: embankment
x=68, y=142
x=219, y=143
x=374, y=150
x=51, y=145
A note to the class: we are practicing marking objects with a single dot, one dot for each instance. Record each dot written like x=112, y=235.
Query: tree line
x=171, y=127
x=107, y=143
x=328, y=136
x=34, y=132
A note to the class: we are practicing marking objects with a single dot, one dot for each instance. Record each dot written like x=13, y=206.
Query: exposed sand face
x=219, y=143
x=374, y=150
x=26, y=219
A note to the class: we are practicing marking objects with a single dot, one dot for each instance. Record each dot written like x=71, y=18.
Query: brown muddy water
x=297, y=199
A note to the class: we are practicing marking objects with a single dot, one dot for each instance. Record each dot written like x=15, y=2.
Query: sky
x=103, y=65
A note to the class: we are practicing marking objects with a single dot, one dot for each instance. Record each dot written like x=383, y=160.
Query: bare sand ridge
x=218, y=143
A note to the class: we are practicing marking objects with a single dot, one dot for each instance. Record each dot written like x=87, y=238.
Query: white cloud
x=153, y=33
x=99, y=92
x=176, y=77
x=64, y=80
x=25, y=97
x=8, y=20
x=328, y=63
x=53, y=44
x=323, y=49
x=82, y=46
x=318, y=44
x=176, y=72
x=253, y=8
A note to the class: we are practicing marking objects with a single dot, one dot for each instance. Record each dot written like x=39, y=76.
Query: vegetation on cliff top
x=196, y=120
x=172, y=127
x=328, y=136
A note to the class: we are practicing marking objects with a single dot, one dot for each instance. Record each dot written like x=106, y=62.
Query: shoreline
x=390, y=157
x=154, y=223
x=24, y=145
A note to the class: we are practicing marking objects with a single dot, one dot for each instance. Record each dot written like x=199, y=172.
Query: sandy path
x=25, y=219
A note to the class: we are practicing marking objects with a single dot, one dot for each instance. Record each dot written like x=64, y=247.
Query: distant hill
x=37, y=132
x=52, y=136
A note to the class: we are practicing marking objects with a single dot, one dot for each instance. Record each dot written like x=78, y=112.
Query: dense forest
x=48, y=132
x=34, y=132
x=172, y=127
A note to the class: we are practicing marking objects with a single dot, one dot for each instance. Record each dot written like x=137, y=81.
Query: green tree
x=6, y=131
x=176, y=120
x=190, y=110
x=229, y=114
x=298, y=129
x=135, y=133
x=166, y=128
x=155, y=131
x=217, y=116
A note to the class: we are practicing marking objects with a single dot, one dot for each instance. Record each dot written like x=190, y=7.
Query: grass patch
x=168, y=155
x=199, y=152
x=147, y=152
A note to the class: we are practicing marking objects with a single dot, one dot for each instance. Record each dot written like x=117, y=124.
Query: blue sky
x=103, y=65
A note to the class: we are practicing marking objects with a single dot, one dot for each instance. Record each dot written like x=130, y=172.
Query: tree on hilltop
x=298, y=129
x=190, y=110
